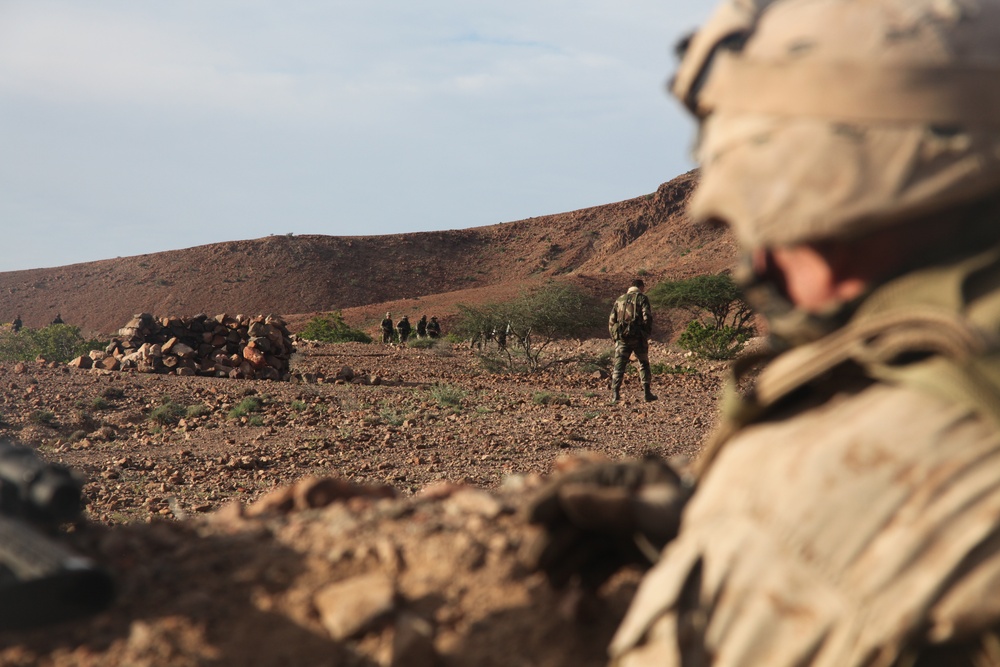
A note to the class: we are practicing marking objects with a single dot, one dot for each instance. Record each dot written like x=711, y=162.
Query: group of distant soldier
x=401, y=330
x=16, y=325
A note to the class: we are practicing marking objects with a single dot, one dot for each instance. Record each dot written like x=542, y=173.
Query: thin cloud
x=228, y=119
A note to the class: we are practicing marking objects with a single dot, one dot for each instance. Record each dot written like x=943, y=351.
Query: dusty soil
x=211, y=570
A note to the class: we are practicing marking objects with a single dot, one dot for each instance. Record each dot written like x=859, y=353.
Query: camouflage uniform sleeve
x=647, y=314
x=613, y=319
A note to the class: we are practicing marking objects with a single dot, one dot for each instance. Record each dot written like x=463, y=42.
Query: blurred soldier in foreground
x=630, y=323
x=847, y=511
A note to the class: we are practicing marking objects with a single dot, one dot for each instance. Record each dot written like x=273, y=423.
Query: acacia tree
x=717, y=296
x=535, y=319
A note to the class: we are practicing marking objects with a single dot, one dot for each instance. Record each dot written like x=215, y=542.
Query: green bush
x=245, y=407
x=100, y=403
x=56, y=342
x=392, y=417
x=168, y=412
x=546, y=398
x=331, y=328
x=713, y=343
x=196, y=410
x=447, y=395
x=43, y=417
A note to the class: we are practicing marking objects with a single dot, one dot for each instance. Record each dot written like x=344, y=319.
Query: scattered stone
x=315, y=492
x=475, y=501
x=354, y=606
x=81, y=362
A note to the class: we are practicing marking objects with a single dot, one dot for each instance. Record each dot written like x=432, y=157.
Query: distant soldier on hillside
x=16, y=324
x=630, y=324
x=58, y=319
x=388, y=331
x=403, y=328
x=434, y=328
x=422, y=326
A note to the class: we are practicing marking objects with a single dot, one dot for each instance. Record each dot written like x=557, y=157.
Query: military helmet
x=828, y=119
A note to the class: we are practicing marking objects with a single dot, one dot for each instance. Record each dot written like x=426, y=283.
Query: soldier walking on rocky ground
x=403, y=328
x=845, y=512
x=422, y=327
x=630, y=324
x=388, y=331
x=433, y=328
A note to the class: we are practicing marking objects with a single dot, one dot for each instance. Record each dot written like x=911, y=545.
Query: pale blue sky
x=136, y=126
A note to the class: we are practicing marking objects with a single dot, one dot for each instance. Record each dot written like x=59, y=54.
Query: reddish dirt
x=218, y=559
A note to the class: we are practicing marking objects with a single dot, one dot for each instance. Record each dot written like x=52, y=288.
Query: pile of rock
x=257, y=347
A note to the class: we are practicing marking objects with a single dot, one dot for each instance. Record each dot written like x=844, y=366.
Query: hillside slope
x=598, y=247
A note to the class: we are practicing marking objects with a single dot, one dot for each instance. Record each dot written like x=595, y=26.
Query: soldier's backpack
x=628, y=321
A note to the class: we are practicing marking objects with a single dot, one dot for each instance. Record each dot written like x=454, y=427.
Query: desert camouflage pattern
x=900, y=98
x=627, y=346
x=848, y=515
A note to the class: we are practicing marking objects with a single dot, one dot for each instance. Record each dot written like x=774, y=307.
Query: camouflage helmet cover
x=830, y=118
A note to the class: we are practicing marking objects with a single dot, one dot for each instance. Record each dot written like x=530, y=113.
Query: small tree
x=717, y=296
x=536, y=319
x=331, y=328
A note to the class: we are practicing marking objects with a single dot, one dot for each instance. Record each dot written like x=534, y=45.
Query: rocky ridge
x=598, y=248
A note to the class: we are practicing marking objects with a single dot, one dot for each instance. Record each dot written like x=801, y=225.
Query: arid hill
x=430, y=272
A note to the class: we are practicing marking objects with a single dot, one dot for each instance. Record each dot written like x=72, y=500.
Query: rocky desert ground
x=227, y=549
x=370, y=513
